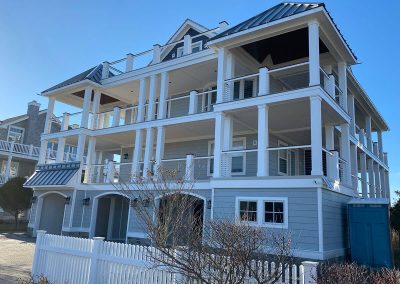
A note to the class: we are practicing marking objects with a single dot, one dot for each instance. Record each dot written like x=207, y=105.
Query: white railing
x=18, y=148
x=87, y=261
x=153, y=56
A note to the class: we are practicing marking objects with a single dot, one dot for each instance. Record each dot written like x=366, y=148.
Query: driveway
x=16, y=254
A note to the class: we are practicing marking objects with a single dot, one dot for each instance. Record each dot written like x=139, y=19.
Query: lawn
x=10, y=227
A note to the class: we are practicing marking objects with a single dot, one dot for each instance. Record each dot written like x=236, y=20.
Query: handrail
x=177, y=98
x=242, y=77
x=174, y=160
x=206, y=32
x=288, y=147
x=323, y=72
x=239, y=151
x=206, y=92
x=327, y=151
x=288, y=67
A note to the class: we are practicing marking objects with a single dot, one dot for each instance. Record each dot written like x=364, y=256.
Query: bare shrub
x=35, y=280
x=218, y=251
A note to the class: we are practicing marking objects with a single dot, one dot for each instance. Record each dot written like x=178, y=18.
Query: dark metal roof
x=277, y=12
x=53, y=174
x=93, y=74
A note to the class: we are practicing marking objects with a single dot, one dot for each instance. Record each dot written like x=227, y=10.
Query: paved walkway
x=16, y=254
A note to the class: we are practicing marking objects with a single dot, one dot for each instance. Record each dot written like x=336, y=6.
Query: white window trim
x=17, y=127
x=199, y=44
x=233, y=148
x=179, y=50
x=261, y=211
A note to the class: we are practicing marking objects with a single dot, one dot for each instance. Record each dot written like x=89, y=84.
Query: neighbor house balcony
x=21, y=150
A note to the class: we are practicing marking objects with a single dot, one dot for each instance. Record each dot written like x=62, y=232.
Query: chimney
x=32, y=131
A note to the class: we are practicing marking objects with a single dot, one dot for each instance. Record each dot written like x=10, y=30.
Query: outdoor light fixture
x=34, y=198
x=209, y=204
x=68, y=200
x=86, y=201
x=126, y=155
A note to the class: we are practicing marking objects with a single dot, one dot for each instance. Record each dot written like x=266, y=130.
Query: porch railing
x=18, y=148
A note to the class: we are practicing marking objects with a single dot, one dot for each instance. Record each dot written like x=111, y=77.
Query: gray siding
x=302, y=210
x=334, y=212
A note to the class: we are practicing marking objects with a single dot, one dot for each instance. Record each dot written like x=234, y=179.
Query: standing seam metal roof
x=53, y=174
x=275, y=13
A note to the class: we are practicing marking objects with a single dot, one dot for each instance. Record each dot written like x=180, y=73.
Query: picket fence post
x=94, y=259
x=310, y=272
x=39, y=240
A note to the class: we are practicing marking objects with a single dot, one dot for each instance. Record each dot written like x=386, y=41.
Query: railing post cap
x=40, y=232
x=310, y=263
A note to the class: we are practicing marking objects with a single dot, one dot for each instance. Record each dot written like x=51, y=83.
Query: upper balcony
x=23, y=151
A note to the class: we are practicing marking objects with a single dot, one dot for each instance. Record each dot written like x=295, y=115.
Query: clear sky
x=45, y=42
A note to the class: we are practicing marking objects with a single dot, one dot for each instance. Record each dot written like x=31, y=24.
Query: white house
x=267, y=114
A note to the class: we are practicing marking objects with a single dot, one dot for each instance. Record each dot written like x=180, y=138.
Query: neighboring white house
x=268, y=114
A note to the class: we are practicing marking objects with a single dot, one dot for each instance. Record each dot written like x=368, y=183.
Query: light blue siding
x=334, y=212
x=302, y=211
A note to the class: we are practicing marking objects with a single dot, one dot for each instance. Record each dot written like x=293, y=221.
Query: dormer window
x=15, y=134
x=179, y=51
x=197, y=46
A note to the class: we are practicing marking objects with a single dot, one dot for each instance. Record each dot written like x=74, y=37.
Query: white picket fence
x=69, y=260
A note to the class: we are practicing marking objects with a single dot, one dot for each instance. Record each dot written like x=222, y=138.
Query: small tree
x=14, y=198
x=217, y=251
x=395, y=213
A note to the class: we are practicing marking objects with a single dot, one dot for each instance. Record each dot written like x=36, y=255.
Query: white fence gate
x=68, y=260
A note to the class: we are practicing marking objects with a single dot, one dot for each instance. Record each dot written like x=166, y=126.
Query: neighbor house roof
x=92, y=74
x=277, y=12
x=53, y=174
x=18, y=118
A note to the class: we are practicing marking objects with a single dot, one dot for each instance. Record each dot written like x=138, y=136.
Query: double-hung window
x=263, y=211
x=15, y=134
x=244, y=89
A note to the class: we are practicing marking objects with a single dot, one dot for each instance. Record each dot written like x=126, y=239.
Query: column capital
x=313, y=22
x=315, y=98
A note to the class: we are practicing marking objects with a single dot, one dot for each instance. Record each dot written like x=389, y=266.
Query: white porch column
x=380, y=145
x=187, y=44
x=222, y=55
x=363, y=168
x=116, y=116
x=368, y=133
x=86, y=107
x=60, y=150
x=316, y=136
x=152, y=98
x=371, y=178
x=345, y=151
x=129, y=62
x=43, y=151
x=8, y=165
x=263, y=141
x=80, y=148
x=330, y=146
x=263, y=82
x=354, y=167
x=96, y=109
x=90, y=158
x=143, y=88
x=193, y=102
x=148, y=151
x=313, y=49
x=352, y=113
x=383, y=187
x=378, y=189
x=226, y=161
x=49, y=115
x=219, y=138
x=189, y=167
x=342, y=70
x=387, y=184
x=137, y=153
x=164, y=84
x=160, y=146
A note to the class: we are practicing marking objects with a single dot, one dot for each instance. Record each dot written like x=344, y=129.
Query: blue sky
x=45, y=42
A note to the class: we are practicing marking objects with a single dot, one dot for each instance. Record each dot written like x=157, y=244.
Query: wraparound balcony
x=22, y=150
